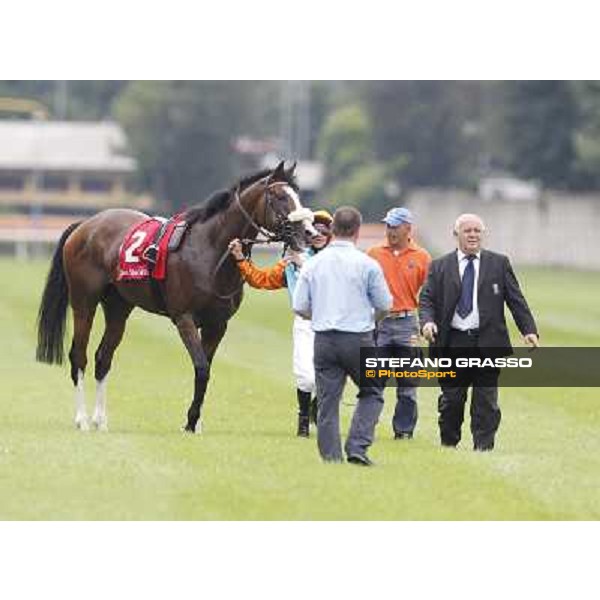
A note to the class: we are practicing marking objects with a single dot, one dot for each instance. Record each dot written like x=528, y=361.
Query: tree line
x=375, y=138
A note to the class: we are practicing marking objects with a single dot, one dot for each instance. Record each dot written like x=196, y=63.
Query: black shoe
x=361, y=460
x=448, y=445
x=404, y=435
x=303, y=427
x=449, y=442
x=487, y=448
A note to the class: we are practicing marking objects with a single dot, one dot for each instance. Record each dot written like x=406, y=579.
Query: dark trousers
x=485, y=412
x=337, y=355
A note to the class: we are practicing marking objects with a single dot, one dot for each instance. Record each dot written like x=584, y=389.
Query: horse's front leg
x=191, y=338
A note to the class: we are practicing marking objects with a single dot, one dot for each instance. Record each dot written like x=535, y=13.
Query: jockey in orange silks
x=285, y=274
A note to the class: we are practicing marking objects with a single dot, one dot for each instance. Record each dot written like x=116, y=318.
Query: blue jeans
x=391, y=333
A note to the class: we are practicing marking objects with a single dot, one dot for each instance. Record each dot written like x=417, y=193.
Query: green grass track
x=248, y=464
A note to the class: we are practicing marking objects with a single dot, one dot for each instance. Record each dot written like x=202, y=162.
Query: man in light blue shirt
x=343, y=291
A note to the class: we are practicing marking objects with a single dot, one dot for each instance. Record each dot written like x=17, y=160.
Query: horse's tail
x=52, y=315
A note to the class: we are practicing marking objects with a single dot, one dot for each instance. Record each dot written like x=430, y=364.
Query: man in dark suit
x=462, y=306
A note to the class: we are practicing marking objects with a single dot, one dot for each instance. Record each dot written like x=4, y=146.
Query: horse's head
x=284, y=214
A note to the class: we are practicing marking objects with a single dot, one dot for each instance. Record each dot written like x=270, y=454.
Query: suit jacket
x=497, y=284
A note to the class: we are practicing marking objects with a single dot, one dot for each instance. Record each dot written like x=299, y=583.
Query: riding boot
x=303, y=413
x=314, y=409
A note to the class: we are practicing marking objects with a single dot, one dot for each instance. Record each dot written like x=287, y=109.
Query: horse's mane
x=220, y=200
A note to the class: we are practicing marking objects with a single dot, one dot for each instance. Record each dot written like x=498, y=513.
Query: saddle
x=173, y=235
x=146, y=246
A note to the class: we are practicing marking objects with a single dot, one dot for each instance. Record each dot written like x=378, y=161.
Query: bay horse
x=202, y=291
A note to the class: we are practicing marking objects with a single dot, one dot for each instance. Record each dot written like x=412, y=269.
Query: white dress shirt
x=471, y=321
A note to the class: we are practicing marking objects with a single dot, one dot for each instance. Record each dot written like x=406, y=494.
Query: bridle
x=282, y=231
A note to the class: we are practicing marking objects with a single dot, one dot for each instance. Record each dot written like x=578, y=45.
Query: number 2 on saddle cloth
x=144, y=250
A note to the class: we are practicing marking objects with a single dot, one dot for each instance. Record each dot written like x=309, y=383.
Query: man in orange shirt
x=405, y=266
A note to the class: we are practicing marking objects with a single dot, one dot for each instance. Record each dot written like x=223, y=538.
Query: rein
x=270, y=238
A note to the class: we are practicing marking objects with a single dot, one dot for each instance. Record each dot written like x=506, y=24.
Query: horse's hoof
x=82, y=425
x=188, y=429
x=100, y=426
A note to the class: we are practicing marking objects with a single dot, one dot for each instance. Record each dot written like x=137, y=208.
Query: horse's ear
x=279, y=172
x=290, y=172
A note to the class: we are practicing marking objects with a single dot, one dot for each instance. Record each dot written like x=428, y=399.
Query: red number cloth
x=132, y=264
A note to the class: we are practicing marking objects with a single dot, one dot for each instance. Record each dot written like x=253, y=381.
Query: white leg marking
x=81, y=418
x=99, y=419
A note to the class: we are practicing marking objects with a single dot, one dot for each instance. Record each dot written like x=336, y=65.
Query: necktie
x=465, y=303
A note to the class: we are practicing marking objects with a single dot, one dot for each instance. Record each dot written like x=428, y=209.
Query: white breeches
x=304, y=341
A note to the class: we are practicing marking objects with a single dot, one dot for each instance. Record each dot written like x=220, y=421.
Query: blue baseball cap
x=398, y=216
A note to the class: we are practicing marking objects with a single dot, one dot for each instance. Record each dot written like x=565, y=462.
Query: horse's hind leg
x=116, y=311
x=83, y=318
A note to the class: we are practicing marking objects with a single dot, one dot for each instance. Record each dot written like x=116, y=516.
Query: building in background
x=56, y=167
x=55, y=172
